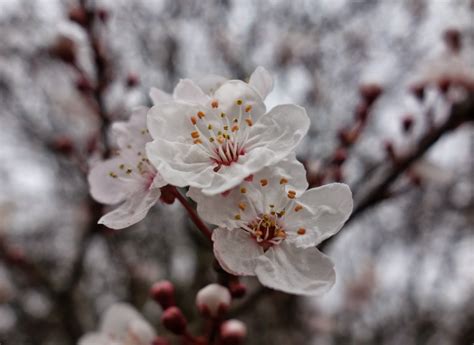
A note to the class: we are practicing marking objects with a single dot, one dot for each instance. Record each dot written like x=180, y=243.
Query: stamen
x=197, y=141
x=235, y=128
x=215, y=104
x=291, y=194
x=129, y=171
x=112, y=174
x=249, y=122
x=237, y=217
x=201, y=114
x=242, y=206
x=298, y=207
x=239, y=102
x=283, y=181
x=194, y=120
x=243, y=190
x=301, y=231
x=248, y=108
x=263, y=182
x=195, y=134
x=121, y=166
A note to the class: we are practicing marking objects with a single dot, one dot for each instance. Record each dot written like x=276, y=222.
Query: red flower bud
x=173, y=320
x=370, y=92
x=237, y=290
x=163, y=293
x=167, y=194
x=64, y=49
x=132, y=80
x=213, y=300
x=233, y=332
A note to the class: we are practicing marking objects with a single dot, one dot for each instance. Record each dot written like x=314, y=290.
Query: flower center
x=266, y=230
x=221, y=136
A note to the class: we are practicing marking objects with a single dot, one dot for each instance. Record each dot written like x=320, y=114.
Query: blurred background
x=389, y=89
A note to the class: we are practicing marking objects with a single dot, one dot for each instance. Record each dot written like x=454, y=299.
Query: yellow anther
x=220, y=139
x=226, y=128
x=237, y=217
x=209, y=127
x=249, y=122
x=258, y=233
x=195, y=134
x=214, y=104
x=112, y=174
x=197, y=141
x=273, y=213
x=283, y=181
x=222, y=115
x=281, y=213
x=235, y=128
x=298, y=207
x=271, y=206
x=301, y=231
x=263, y=182
x=129, y=171
x=243, y=190
x=201, y=114
x=281, y=233
x=291, y=194
x=139, y=153
x=242, y=206
x=194, y=120
x=211, y=139
x=236, y=120
x=248, y=108
x=239, y=102
x=121, y=166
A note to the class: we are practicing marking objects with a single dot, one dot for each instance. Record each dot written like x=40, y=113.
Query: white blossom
x=269, y=227
x=121, y=324
x=213, y=141
x=128, y=177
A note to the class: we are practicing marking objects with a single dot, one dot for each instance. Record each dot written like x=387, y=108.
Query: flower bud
x=233, y=332
x=132, y=80
x=78, y=15
x=173, y=320
x=64, y=49
x=237, y=290
x=160, y=341
x=163, y=293
x=370, y=92
x=407, y=123
x=213, y=300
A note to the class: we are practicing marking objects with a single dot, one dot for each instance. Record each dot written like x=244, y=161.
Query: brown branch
x=377, y=188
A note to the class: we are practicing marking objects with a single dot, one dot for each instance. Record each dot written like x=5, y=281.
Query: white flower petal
x=103, y=187
x=325, y=210
x=262, y=81
x=210, y=83
x=295, y=270
x=280, y=130
x=96, y=339
x=118, y=318
x=159, y=96
x=180, y=164
x=140, y=331
x=236, y=251
x=132, y=133
x=172, y=121
x=233, y=90
x=188, y=91
x=133, y=210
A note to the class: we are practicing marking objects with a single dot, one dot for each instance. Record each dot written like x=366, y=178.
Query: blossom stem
x=192, y=213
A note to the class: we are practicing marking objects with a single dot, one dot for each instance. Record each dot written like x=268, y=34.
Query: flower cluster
x=217, y=137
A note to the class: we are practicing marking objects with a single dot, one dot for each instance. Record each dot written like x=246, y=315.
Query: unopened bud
x=163, y=293
x=83, y=85
x=452, y=39
x=237, y=290
x=213, y=300
x=103, y=14
x=78, y=15
x=160, y=341
x=233, y=332
x=64, y=49
x=418, y=90
x=173, y=320
x=407, y=123
x=370, y=92
x=63, y=145
x=340, y=156
x=132, y=80
x=389, y=149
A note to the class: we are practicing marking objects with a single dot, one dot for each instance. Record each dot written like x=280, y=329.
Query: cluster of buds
x=213, y=301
